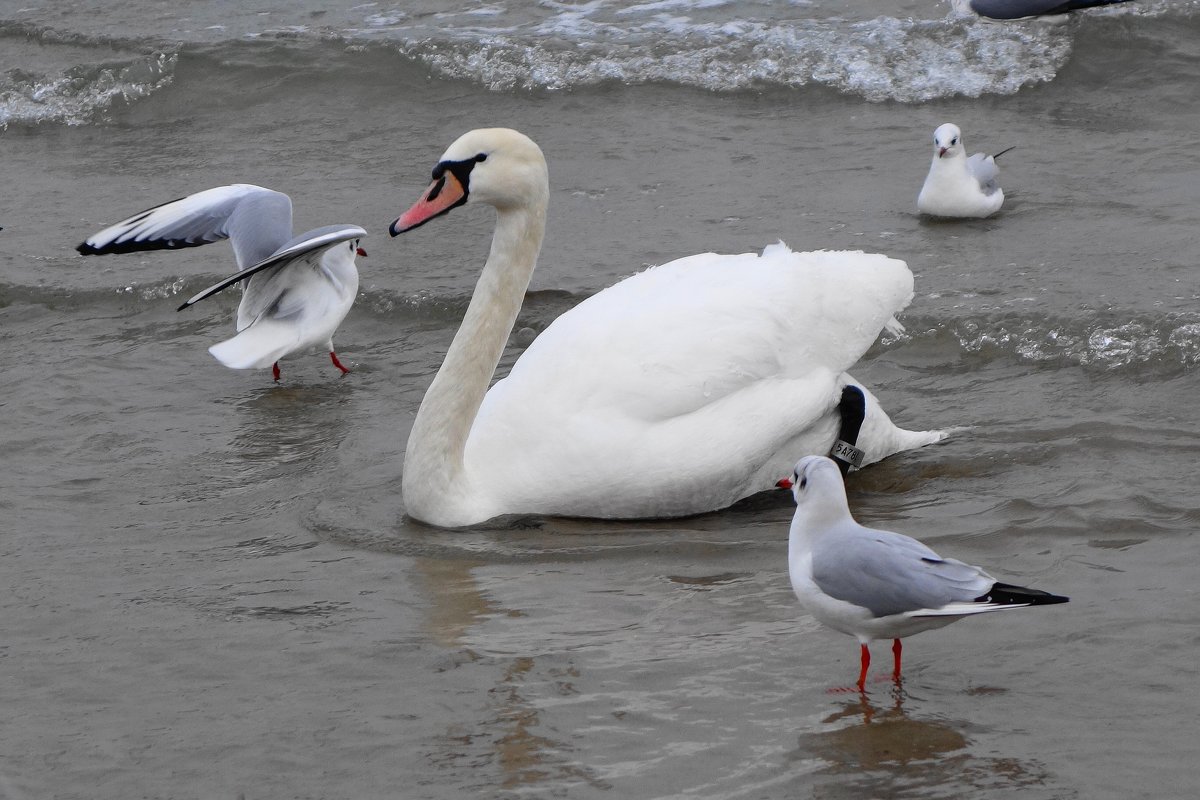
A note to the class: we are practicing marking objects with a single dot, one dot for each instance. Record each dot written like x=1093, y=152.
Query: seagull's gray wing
x=257, y=222
x=273, y=289
x=889, y=573
x=985, y=171
x=1015, y=9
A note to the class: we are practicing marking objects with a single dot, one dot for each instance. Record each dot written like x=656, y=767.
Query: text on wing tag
x=848, y=453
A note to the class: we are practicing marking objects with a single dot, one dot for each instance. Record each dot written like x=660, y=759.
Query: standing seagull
x=876, y=584
x=298, y=289
x=957, y=186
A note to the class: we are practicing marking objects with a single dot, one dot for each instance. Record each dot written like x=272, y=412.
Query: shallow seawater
x=212, y=589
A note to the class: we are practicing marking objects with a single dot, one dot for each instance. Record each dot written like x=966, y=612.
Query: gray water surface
x=210, y=588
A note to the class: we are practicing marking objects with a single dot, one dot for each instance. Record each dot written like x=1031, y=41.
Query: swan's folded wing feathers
x=744, y=318
x=705, y=361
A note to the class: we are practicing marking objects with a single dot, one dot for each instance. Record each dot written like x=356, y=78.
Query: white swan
x=729, y=365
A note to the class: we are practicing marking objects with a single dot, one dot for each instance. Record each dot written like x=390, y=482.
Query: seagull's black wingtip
x=1008, y=594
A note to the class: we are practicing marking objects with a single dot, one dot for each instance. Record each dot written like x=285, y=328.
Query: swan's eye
x=481, y=157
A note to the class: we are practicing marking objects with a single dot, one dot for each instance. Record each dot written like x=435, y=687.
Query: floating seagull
x=298, y=289
x=957, y=186
x=875, y=584
x=1018, y=9
x=688, y=362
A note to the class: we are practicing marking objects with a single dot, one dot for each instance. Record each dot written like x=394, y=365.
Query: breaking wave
x=104, y=74
x=715, y=45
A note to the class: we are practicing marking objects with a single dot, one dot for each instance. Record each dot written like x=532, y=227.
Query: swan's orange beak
x=784, y=483
x=442, y=195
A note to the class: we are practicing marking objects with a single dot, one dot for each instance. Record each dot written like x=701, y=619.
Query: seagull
x=957, y=186
x=297, y=289
x=1019, y=9
x=875, y=584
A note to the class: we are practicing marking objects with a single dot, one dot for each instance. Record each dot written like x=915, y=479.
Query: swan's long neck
x=435, y=476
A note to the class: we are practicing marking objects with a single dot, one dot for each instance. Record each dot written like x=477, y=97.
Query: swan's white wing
x=676, y=338
x=255, y=299
x=256, y=220
x=700, y=380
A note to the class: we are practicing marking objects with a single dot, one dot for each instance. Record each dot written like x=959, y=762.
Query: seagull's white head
x=497, y=166
x=947, y=142
x=819, y=490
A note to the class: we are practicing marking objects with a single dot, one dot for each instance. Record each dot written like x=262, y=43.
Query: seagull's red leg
x=275, y=371
x=896, y=655
x=333, y=357
x=866, y=662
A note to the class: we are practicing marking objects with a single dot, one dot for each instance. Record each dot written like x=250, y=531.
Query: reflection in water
x=457, y=603
x=886, y=736
x=886, y=753
x=284, y=425
x=281, y=435
x=525, y=757
x=508, y=732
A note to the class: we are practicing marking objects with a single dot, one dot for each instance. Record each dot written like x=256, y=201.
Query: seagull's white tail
x=963, y=609
x=257, y=347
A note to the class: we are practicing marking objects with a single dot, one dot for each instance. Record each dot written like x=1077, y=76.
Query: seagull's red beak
x=784, y=483
x=360, y=251
x=942, y=152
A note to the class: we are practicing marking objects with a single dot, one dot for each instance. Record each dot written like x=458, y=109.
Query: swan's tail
x=257, y=347
x=905, y=439
x=880, y=437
